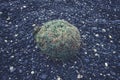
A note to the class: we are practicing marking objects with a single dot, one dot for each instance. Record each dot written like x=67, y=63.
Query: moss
x=58, y=39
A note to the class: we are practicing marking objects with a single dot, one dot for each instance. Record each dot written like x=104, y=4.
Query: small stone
x=58, y=78
x=79, y=76
x=11, y=68
x=106, y=64
x=6, y=41
x=97, y=35
x=97, y=54
x=32, y=72
x=33, y=25
x=16, y=35
x=111, y=41
x=8, y=18
x=24, y=19
x=16, y=25
x=24, y=6
x=110, y=36
x=114, y=52
x=12, y=56
x=1, y=13
x=11, y=41
x=95, y=50
x=97, y=44
x=103, y=30
x=101, y=74
x=9, y=78
x=85, y=52
x=20, y=71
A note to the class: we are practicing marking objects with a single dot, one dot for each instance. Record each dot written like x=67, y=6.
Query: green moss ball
x=58, y=39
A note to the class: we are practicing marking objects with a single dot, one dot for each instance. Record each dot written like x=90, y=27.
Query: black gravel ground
x=97, y=20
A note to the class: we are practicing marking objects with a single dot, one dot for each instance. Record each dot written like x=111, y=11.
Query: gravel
x=99, y=25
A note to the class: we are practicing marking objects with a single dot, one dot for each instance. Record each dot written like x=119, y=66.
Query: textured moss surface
x=58, y=39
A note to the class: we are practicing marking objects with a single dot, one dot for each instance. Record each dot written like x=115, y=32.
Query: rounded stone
x=58, y=39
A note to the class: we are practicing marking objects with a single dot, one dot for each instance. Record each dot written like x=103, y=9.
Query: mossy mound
x=58, y=39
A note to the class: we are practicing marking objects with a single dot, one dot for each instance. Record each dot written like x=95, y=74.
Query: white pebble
x=34, y=25
x=114, y=52
x=32, y=72
x=6, y=41
x=1, y=13
x=8, y=18
x=11, y=68
x=111, y=41
x=95, y=50
x=16, y=25
x=85, y=52
x=97, y=54
x=24, y=6
x=97, y=35
x=101, y=74
x=16, y=35
x=58, y=78
x=97, y=44
x=103, y=30
x=110, y=36
x=79, y=76
x=12, y=56
x=106, y=64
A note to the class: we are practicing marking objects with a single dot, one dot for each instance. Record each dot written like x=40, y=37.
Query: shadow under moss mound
x=58, y=39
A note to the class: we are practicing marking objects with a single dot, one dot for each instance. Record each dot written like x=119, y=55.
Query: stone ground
x=97, y=20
